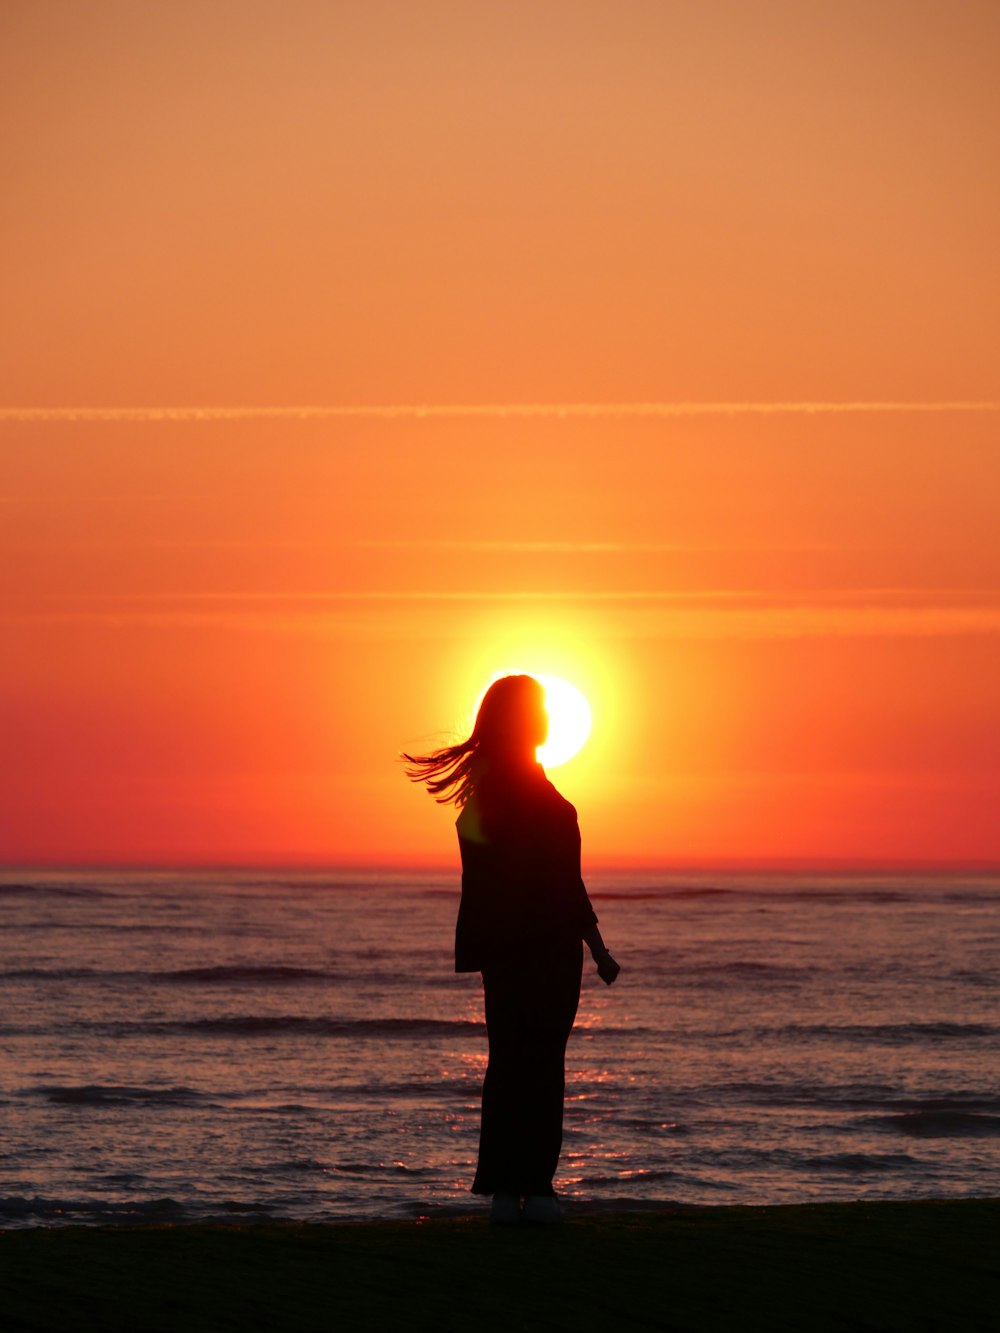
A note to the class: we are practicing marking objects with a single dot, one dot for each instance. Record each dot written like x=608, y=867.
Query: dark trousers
x=530, y=1008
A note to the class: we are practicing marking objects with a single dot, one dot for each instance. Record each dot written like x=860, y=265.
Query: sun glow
x=569, y=714
x=569, y=721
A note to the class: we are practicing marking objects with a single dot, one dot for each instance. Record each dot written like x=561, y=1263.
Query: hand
x=607, y=968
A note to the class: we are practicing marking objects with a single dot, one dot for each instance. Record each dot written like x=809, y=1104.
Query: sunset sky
x=352, y=352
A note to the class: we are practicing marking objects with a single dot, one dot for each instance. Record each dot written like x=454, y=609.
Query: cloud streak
x=461, y=411
x=748, y=615
x=505, y=546
x=774, y=596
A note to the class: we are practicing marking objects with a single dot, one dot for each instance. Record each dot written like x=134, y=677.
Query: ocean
x=187, y=1046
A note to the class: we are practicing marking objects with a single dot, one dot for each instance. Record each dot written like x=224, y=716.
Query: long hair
x=450, y=772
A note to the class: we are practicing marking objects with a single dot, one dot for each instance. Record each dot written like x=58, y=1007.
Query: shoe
x=541, y=1208
x=505, y=1211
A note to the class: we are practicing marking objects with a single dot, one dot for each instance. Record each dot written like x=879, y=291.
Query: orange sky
x=219, y=630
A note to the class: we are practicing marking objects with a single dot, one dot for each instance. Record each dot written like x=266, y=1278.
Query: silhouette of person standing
x=524, y=911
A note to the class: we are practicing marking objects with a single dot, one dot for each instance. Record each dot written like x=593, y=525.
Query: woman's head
x=512, y=717
x=510, y=725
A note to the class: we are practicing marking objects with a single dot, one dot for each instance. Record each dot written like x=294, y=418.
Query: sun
x=569, y=716
x=569, y=721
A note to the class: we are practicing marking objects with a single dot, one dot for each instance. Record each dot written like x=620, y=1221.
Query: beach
x=886, y=1265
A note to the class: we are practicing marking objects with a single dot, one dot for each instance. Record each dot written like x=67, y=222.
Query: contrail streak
x=459, y=411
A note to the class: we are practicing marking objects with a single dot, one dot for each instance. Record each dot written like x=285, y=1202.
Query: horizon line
x=418, y=411
x=676, y=865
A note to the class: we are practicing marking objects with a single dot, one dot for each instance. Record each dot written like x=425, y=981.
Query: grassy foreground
x=925, y=1265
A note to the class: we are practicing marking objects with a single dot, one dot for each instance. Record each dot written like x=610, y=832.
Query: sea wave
x=249, y=973
x=237, y=974
x=946, y=1124
x=379, y=1169
x=645, y=895
x=739, y=969
x=416, y=1088
x=645, y=1125
x=877, y=1097
x=13, y=890
x=54, y=974
x=892, y=1033
x=858, y=1162
x=630, y=1177
x=96, y=1094
x=17, y=1209
x=267, y=1025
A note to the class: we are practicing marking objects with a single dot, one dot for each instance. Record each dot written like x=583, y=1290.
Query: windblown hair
x=450, y=772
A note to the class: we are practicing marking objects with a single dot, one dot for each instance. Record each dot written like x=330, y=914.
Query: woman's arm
x=607, y=968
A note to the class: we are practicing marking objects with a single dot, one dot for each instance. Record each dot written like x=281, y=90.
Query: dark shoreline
x=929, y=1264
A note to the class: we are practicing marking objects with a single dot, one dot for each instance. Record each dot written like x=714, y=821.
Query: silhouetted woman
x=523, y=914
